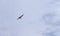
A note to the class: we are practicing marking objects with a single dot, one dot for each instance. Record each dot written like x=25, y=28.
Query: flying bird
x=20, y=17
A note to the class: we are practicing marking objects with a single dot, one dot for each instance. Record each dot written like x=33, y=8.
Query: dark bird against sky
x=20, y=17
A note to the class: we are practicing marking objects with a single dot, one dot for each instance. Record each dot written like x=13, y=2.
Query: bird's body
x=20, y=17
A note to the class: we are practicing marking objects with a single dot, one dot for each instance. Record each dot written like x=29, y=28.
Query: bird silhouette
x=20, y=17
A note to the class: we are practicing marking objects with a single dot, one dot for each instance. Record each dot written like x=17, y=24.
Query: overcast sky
x=31, y=23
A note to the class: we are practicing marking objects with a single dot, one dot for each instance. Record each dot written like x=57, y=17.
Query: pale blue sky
x=31, y=24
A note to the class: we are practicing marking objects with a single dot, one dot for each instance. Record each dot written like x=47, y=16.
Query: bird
x=20, y=17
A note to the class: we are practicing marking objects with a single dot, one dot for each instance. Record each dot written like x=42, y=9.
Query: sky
x=41, y=17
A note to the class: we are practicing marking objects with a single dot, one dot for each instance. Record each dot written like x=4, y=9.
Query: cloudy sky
x=36, y=21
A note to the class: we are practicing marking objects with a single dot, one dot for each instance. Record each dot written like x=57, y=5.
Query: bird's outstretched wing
x=20, y=17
